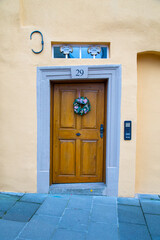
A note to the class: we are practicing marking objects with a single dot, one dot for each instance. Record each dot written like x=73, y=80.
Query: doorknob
x=101, y=131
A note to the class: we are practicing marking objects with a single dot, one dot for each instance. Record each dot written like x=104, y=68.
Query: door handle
x=101, y=130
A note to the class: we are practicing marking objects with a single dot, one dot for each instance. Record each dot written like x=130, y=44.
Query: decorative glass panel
x=75, y=53
x=80, y=51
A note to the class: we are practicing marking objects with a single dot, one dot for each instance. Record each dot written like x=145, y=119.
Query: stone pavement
x=78, y=217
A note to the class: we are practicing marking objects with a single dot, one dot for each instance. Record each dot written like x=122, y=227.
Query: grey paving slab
x=103, y=200
x=53, y=206
x=129, y=231
x=130, y=214
x=10, y=229
x=8, y=196
x=18, y=194
x=150, y=206
x=128, y=201
x=2, y=213
x=80, y=203
x=101, y=231
x=75, y=219
x=104, y=214
x=60, y=196
x=7, y=201
x=40, y=228
x=21, y=211
x=153, y=222
x=148, y=196
x=61, y=234
x=34, y=197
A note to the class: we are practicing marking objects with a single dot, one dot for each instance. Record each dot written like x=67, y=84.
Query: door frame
x=52, y=83
x=46, y=75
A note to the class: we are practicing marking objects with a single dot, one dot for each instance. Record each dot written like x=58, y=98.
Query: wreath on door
x=81, y=106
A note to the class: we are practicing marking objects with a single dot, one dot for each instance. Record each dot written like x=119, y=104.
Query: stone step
x=95, y=189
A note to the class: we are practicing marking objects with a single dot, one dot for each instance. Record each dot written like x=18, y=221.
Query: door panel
x=67, y=157
x=77, y=158
x=88, y=157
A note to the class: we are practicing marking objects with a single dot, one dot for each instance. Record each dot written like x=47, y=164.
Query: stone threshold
x=95, y=189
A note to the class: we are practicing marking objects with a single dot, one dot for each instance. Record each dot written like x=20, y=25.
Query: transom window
x=80, y=51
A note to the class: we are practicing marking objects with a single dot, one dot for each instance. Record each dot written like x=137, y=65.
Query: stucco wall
x=129, y=26
x=148, y=124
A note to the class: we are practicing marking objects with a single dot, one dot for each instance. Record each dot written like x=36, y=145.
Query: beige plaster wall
x=148, y=124
x=129, y=26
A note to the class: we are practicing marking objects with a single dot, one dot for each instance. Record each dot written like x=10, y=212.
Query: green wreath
x=78, y=103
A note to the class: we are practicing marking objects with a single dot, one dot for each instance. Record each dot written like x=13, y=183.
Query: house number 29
x=79, y=72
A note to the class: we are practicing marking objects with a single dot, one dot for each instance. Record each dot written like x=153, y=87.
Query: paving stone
x=2, y=213
x=129, y=231
x=8, y=196
x=103, y=200
x=153, y=222
x=150, y=206
x=60, y=196
x=130, y=214
x=40, y=228
x=68, y=235
x=104, y=214
x=34, y=197
x=7, y=201
x=101, y=231
x=17, y=194
x=21, y=211
x=128, y=201
x=75, y=219
x=10, y=229
x=148, y=196
x=80, y=203
x=53, y=206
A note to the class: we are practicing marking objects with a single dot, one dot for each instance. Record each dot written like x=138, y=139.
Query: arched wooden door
x=77, y=158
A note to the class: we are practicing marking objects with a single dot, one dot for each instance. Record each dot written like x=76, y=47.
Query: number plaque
x=79, y=72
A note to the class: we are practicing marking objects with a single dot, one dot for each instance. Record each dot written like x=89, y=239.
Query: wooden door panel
x=67, y=157
x=90, y=120
x=66, y=109
x=88, y=157
x=77, y=158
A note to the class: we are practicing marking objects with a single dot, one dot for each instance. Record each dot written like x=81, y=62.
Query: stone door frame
x=61, y=73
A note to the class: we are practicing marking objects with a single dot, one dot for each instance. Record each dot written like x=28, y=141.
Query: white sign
x=79, y=72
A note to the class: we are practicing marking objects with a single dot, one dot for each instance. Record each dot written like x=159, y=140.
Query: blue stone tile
x=80, y=203
x=9, y=197
x=53, y=206
x=150, y=206
x=75, y=220
x=2, y=213
x=148, y=196
x=153, y=222
x=130, y=214
x=103, y=200
x=9, y=230
x=40, y=228
x=104, y=214
x=101, y=231
x=16, y=194
x=68, y=235
x=6, y=203
x=60, y=196
x=129, y=231
x=34, y=197
x=128, y=201
x=21, y=211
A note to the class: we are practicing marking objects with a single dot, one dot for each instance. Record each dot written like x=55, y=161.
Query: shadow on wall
x=148, y=123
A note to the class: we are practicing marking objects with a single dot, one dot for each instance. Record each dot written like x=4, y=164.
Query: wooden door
x=77, y=158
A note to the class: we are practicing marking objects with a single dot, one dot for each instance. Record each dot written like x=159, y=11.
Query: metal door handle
x=101, y=131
